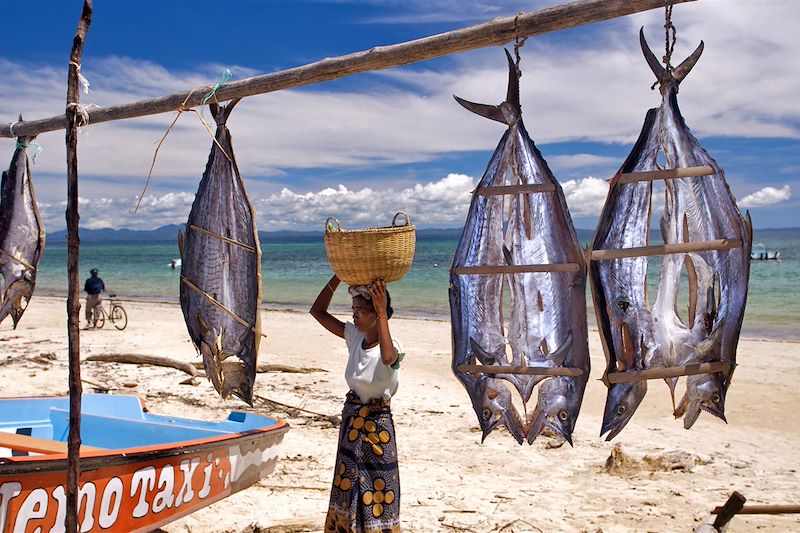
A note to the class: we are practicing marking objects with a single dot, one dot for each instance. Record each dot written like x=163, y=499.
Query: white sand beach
x=450, y=481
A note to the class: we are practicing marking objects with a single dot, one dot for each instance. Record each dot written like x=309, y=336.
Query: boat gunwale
x=97, y=460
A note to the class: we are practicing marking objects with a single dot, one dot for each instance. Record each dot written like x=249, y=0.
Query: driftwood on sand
x=138, y=359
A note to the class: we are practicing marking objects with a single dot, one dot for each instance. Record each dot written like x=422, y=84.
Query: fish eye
x=716, y=398
x=486, y=414
x=562, y=415
x=621, y=410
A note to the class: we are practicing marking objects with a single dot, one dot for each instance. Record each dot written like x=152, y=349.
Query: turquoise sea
x=295, y=268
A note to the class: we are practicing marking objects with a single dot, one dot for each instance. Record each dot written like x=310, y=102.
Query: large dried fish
x=696, y=209
x=547, y=326
x=21, y=235
x=221, y=271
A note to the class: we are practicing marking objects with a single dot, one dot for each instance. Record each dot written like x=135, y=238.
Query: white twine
x=81, y=78
x=11, y=127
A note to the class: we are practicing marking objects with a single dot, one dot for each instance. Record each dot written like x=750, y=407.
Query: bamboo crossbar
x=518, y=269
x=764, y=509
x=26, y=443
x=687, y=172
x=669, y=372
x=665, y=249
x=526, y=370
x=516, y=189
x=496, y=32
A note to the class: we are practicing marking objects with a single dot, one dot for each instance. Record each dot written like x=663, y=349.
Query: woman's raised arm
x=319, y=309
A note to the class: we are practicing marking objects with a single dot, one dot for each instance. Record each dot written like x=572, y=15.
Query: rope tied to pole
x=518, y=43
x=670, y=37
x=224, y=78
x=181, y=109
x=81, y=79
x=38, y=148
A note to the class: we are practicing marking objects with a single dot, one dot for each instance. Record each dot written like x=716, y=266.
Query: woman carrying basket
x=366, y=486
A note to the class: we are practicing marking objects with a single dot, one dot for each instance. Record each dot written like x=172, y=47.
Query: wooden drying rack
x=664, y=249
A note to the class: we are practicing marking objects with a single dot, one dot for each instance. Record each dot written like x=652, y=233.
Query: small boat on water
x=759, y=253
x=175, y=263
x=139, y=470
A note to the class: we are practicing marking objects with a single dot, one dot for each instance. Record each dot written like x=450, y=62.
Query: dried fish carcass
x=704, y=233
x=220, y=288
x=22, y=234
x=537, y=251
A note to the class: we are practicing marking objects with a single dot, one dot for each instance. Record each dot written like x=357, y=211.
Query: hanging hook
x=518, y=43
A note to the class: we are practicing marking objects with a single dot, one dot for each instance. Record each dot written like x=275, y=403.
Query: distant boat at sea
x=760, y=253
x=175, y=263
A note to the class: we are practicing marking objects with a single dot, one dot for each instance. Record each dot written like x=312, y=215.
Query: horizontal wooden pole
x=764, y=509
x=664, y=249
x=518, y=269
x=669, y=372
x=526, y=370
x=496, y=32
x=516, y=189
x=26, y=443
x=687, y=172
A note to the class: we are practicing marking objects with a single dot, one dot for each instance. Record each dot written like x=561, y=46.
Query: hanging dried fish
x=221, y=271
x=547, y=326
x=698, y=209
x=21, y=235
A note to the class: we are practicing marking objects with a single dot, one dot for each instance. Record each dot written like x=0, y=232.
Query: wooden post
x=74, y=119
x=493, y=33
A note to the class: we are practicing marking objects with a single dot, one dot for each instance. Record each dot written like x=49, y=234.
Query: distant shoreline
x=750, y=332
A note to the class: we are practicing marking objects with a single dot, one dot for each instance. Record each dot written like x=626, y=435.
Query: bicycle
x=115, y=314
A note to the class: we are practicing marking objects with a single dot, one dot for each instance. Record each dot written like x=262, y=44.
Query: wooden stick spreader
x=669, y=372
x=526, y=370
x=516, y=189
x=687, y=172
x=518, y=269
x=763, y=509
x=664, y=249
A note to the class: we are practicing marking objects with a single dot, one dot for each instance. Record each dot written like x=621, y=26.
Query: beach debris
x=705, y=235
x=22, y=234
x=138, y=359
x=535, y=251
x=220, y=288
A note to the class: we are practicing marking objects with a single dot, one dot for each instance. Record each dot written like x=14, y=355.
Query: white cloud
x=766, y=196
x=596, y=91
x=585, y=197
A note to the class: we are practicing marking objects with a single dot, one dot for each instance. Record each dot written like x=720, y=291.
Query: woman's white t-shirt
x=366, y=373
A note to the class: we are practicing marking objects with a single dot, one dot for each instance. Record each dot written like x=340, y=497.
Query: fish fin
x=682, y=70
x=509, y=111
x=540, y=301
x=543, y=347
x=560, y=355
x=681, y=409
x=507, y=255
x=655, y=65
x=748, y=227
x=226, y=112
x=691, y=272
x=485, y=357
x=491, y=112
x=526, y=215
x=627, y=346
x=705, y=347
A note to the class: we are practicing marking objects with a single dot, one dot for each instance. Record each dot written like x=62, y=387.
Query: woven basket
x=359, y=256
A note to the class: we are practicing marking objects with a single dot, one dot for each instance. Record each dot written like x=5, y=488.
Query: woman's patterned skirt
x=365, y=497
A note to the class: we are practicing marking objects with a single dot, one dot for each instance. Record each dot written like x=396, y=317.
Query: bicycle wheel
x=119, y=317
x=99, y=317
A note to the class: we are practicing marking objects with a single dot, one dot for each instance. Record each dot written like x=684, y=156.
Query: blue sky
x=363, y=147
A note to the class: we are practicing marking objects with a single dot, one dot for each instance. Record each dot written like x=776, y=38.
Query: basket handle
x=329, y=226
x=408, y=218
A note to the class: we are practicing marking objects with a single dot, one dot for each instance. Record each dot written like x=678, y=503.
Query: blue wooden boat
x=139, y=470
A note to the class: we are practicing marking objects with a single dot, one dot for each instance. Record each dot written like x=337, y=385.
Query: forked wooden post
x=73, y=116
